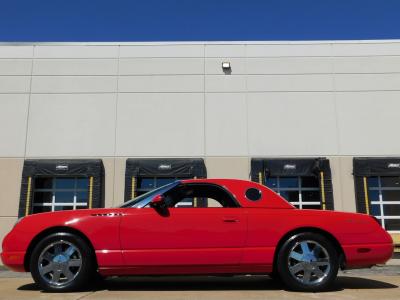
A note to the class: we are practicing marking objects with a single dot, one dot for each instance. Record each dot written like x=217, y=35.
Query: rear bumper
x=365, y=255
x=14, y=260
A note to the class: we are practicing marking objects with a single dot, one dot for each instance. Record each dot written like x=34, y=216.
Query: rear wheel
x=274, y=276
x=62, y=262
x=307, y=262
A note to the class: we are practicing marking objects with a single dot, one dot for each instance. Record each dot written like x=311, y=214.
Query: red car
x=249, y=230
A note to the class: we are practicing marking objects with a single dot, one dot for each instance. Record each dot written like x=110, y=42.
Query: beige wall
x=6, y=224
x=174, y=99
x=119, y=182
x=109, y=181
x=156, y=124
x=10, y=185
x=228, y=167
x=343, y=183
x=13, y=124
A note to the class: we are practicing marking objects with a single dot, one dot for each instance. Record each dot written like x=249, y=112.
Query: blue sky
x=197, y=20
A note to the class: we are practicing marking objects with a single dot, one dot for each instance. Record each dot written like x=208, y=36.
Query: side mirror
x=157, y=201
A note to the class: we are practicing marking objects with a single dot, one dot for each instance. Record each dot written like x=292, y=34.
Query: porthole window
x=253, y=194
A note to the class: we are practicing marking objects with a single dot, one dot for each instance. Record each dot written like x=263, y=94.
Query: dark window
x=301, y=191
x=253, y=194
x=384, y=200
x=40, y=209
x=208, y=193
x=304, y=182
x=392, y=224
x=60, y=193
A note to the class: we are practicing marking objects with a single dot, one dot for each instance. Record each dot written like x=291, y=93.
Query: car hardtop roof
x=220, y=181
x=238, y=187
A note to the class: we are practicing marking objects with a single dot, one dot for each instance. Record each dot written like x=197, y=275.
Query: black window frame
x=366, y=168
x=159, y=168
x=35, y=168
x=264, y=168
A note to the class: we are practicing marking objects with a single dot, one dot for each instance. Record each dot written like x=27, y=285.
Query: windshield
x=145, y=199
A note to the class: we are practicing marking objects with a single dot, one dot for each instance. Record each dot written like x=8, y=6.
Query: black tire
x=275, y=275
x=98, y=280
x=312, y=281
x=84, y=272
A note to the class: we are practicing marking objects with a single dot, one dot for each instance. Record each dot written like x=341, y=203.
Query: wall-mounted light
x=226, y=65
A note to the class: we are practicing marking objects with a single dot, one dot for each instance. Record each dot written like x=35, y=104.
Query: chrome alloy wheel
x=309, y=262
x=59, y=263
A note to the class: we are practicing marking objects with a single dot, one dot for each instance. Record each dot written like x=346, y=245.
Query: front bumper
x=14, y=260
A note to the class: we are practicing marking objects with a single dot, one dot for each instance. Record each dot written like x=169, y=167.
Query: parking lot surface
x=377, y=283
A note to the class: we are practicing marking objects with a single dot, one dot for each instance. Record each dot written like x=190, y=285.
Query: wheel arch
x=328, y=235
x=52, y=230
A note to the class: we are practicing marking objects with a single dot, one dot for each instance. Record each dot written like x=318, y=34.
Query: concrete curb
x=393, y=262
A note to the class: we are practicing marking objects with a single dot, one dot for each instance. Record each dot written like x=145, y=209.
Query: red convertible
x=248, y=230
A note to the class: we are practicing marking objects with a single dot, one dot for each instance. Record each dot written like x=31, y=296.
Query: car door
x=183, y=236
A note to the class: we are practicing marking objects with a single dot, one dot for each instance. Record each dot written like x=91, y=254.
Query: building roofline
x=321, y=42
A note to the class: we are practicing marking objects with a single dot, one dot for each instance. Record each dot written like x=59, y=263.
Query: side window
x=147, y=184
x=207, y=194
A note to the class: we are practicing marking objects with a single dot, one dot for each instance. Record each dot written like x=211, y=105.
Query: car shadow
x=212, y=283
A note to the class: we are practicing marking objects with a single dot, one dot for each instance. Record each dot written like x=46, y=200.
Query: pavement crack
x=84, y=296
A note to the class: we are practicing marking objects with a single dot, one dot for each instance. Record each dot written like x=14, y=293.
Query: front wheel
x=308, y=262
x=62, y=262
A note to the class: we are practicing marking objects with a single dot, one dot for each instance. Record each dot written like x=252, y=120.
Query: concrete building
x=316, y=121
